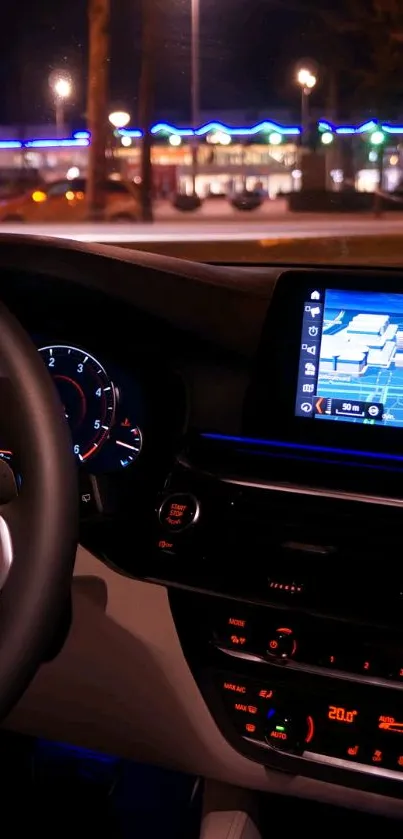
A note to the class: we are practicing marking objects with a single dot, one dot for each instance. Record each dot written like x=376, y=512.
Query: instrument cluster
x=104, y=407
x=105, y=413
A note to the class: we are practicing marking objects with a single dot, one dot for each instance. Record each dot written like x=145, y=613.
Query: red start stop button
x=178, y=512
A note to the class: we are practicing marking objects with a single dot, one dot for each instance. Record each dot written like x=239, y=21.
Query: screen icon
x=374, y=410
x=315, y=295
x=311, y=350
x=306, y=407
x=314, y=310
x=313, y=331
x=308, y=388
x=310, y=369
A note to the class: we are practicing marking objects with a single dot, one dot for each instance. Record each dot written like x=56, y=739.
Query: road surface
x=203, y=229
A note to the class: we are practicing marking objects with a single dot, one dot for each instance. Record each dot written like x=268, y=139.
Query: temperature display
x=341, y=714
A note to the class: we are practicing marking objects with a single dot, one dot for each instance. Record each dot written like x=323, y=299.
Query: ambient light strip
x=83, y=138
x=281, y=444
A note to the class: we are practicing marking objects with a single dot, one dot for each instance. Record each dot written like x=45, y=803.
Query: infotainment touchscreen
x=351, y=357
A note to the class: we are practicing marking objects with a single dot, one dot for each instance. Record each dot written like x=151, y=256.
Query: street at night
x=214, y=235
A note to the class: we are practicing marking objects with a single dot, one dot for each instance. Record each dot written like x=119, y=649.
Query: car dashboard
x=236, y=609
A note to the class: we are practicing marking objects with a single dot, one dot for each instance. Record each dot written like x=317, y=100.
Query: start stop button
x=178, y=512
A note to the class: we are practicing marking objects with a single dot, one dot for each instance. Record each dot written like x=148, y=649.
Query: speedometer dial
x=87, y=394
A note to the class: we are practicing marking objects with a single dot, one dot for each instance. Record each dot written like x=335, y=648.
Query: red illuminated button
x=234, y=633
x=178, y=512
x=234, y=688
x=242, y=707
x=282, y=644
x=265, y=695
x=250, y=729
x=246, y=717
x=330, y=660
x=352, y=752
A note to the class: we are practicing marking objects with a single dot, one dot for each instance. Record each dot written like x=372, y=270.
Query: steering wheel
x=38, y=527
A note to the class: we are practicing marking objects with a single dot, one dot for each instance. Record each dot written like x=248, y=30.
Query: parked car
x=64, y=201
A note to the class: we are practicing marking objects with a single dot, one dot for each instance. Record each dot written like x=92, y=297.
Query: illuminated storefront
x=264, y=156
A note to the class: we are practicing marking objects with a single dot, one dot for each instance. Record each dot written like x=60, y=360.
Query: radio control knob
x=282, y=644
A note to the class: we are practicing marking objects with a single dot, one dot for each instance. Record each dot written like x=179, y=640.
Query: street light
x=195, y=83
x=327, y=138
x=62, y=88
x=377, y=138
x=307, y=80
x=119, y=119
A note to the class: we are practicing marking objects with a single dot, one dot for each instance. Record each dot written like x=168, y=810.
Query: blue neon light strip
x=83, y=138
x=10, y=144
x=280, y=444
x=51, y=144
x=130, y=132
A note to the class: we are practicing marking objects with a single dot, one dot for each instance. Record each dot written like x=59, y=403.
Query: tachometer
x=87, y=394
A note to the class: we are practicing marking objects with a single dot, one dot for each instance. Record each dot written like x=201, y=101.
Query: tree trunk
x=97, y=105
x=146, y=103
x=378, y=194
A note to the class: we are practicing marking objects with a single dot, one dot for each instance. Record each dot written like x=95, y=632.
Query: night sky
x=248, y=53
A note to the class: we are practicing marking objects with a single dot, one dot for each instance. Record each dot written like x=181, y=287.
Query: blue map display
x=361, y=353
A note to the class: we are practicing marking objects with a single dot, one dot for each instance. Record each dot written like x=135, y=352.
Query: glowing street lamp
x=62, y=88
x=119, y=119
x=377, y=138
x=307, y=80
x=327, y=138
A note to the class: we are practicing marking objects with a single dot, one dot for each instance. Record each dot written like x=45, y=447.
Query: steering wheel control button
x=178, y=512
x=282, y=645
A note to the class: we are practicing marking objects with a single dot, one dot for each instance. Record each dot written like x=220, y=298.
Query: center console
x=281, y=547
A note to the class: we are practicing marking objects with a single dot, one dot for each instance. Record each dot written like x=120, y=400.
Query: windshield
x=244, y=130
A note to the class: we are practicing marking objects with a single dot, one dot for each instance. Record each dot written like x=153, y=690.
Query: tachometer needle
x=127, y=446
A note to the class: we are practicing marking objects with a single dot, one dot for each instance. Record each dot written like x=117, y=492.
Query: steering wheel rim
x=38, y=530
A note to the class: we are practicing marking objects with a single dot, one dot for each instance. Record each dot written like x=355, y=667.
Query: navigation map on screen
x=351, y=358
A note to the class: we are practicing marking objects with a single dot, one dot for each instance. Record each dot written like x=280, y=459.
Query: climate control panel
x=299, y=691
x=321, y=724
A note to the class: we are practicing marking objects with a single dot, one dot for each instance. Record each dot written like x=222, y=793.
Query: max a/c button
x=178, y=512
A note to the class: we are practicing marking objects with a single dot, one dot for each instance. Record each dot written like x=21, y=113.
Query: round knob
x=178, y=512
x=288, y=732
x=282, y=644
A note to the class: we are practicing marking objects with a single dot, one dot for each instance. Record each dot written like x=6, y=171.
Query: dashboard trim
x=338, y=762
x=339, y=495
x=316, y=671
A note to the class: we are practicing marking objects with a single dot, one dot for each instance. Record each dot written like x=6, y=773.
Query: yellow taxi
x=64, y=201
